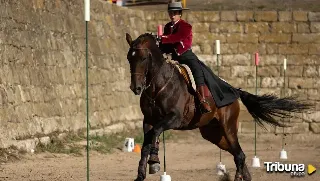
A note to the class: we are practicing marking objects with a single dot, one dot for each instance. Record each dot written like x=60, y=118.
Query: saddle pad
x=185, y=71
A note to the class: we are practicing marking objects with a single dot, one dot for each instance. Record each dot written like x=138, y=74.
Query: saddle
x=185, y=71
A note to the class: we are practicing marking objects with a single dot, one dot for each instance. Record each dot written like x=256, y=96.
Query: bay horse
x=167, y=102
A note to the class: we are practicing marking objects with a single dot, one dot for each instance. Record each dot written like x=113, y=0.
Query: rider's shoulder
x=185, y=22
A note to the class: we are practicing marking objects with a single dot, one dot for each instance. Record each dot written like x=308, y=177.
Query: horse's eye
x=133, y=53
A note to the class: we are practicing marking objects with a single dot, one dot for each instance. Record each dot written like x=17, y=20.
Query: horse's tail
x=263, y=108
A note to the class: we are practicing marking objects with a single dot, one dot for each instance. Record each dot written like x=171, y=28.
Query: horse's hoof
x=154, y=168
x=238, y=178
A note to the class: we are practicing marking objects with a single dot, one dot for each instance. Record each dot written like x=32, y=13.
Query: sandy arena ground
x=188, y=159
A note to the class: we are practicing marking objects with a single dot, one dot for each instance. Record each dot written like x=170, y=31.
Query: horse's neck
x=160, y=74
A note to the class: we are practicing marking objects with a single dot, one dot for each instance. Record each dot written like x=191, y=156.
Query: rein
x=152, y=100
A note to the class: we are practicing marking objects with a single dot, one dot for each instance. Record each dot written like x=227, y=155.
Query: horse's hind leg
x=216, y=135
x=223, y=133
x=229, y=122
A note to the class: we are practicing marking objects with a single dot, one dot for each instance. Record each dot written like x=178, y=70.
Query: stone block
x=272, y=82
x=257, y=27
x=24, y=93
x=23, y=75
x=228, y=16
x=252, y=48
x=312, y=117
x=276, y=91
x=303, y=28
x=315, y=127
x=242, y=38
x=300, y=16
x=248, y=127
x=313, y=94
x=200, y=27
x=269, y=71
x=244, y=15
x=310, y=71
x=266, y=16
x=160, y=15
x=293, y=49
x=252, y=82
x=315, y=27
x=306, y=38
x=317, y=106
x=243, y=71
x=275, y=38
x=209, y=37
x=226, y=27
x=300, y=83
x=303, y=59
x=203, y=16
x=229, y=48
x=283, y=27
x=236, y=81
x=238, y=59
x=206, y=47
x=296, y=120
x=224, y=72
x=314, y=16
x=293, y=71
x=300, y=93
x=296, y=128
x=272, y=48
x=37, y=95
x=317, y=83
x=271, y=60
x=208, y=59
x=285, y=16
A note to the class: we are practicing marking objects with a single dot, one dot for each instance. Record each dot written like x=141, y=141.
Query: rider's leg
x=190, y=59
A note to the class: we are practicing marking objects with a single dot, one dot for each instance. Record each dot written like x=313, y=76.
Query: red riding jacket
x=179, y=36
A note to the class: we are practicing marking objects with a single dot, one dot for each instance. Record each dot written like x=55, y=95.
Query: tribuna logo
x=295, y=170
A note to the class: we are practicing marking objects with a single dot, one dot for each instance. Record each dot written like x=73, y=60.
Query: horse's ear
x=128, y=38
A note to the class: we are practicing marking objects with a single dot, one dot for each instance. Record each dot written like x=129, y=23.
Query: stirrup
x=202, y=107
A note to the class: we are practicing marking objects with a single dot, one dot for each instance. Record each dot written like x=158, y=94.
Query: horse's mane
x=143, y=38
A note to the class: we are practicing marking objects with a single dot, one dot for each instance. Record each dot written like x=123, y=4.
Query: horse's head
x=139, y=57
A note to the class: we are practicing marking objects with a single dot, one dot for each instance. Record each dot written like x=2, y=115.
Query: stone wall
x=42, y=68
x=275, y=35
x=43, y=75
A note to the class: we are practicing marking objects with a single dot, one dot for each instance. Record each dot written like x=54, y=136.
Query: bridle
x=152, y=100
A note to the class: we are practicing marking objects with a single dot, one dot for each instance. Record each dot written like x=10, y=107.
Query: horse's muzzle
x=136, y=90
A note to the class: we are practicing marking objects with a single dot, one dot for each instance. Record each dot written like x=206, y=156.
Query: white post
x=218, y=47
x=87, y=10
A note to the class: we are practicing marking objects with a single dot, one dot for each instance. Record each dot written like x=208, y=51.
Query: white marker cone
x=221, y=169
x=128, y=145
x=165, y=177
x=255, y=162
x=283, y=155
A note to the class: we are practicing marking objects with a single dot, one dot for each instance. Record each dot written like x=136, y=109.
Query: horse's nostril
x=138, y=89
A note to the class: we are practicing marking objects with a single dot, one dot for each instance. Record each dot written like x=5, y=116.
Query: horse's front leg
x=170, y=121
x=147, y=140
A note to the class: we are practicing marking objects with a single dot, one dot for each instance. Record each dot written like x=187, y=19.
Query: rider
x=177, y=39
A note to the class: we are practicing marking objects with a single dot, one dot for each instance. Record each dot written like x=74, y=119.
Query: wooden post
x=184, y=3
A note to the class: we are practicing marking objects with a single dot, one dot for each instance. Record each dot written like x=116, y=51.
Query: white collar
x=175, y=23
